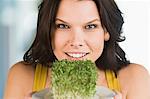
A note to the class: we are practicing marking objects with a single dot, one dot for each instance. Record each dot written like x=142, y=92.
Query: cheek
x=97, y=40
x=59, y=40
x=96, y=44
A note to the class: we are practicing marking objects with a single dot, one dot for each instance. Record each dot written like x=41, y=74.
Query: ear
x=106, y=36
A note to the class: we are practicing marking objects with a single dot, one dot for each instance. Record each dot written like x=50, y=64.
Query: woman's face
x=79, y=34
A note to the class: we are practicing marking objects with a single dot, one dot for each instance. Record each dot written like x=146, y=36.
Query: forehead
x=77, y=9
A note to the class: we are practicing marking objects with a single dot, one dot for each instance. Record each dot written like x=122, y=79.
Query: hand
x=118, y=95
x=29, y=96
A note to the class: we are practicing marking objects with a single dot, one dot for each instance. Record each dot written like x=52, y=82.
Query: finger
x=118, y=95
x=29, y=96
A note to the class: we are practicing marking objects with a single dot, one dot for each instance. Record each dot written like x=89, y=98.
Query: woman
x=78, y=30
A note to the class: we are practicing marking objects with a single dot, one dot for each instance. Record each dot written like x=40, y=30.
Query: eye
x=62, y=26
x=91, y=26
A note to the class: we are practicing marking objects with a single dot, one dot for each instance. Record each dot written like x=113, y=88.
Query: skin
x=75, y=38
x=78, y=36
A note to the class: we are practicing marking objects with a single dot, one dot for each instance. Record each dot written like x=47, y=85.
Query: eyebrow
x=86, y=23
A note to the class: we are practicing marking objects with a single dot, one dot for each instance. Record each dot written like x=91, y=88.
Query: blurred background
x=17, y=30
x=18, y=20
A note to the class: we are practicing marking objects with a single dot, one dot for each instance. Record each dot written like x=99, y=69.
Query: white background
x=137, y=30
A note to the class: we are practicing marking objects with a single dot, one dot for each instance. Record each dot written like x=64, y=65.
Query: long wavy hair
x=113, y=56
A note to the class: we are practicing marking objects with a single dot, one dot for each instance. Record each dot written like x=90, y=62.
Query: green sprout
x=74, y=79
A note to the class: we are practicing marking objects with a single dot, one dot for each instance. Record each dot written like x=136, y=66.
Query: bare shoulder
x=21, y=70
x=19, y=81
x=135, y=71
x=135, y=80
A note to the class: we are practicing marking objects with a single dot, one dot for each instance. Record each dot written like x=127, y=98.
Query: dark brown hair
x=113, y=57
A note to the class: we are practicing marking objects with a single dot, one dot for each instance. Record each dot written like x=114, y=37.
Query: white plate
x=101, y=93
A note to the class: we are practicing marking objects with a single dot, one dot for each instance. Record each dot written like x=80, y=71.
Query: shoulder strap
x=40, y=77
x=112, y=81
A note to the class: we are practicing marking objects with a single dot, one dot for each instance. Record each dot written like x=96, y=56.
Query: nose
x=77, y=39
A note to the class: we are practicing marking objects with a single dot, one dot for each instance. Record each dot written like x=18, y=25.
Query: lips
x=76, y=54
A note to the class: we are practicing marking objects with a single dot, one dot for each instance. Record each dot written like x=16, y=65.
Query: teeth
x=76, y=55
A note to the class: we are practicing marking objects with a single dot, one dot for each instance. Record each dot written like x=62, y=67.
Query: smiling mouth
x=76, y=54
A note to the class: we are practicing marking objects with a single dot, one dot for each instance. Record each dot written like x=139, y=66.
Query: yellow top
x=112, y=81
x=41, y=75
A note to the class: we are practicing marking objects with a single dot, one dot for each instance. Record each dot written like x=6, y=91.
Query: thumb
x=29, y=96
x=118, y=95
